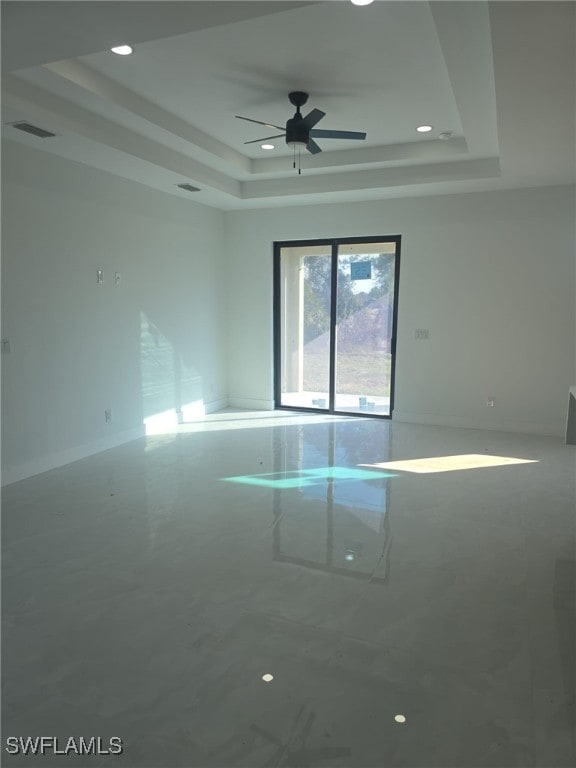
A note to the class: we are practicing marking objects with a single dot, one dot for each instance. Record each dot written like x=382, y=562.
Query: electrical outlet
x=108, y=415
x=421, y=333
x=5, y=346
x=490, y=402
x=100, y=276
x=117, y=278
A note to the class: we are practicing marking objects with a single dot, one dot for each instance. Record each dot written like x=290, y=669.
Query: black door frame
x=277, y=299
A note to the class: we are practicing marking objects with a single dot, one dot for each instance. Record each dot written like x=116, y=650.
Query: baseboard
x=439, y=420
x=251, y=404
x=54, y=460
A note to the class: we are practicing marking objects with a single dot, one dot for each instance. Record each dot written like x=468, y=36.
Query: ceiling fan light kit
x=299, y=130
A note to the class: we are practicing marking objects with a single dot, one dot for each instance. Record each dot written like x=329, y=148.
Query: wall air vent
x=34, y=130
x=189, y=187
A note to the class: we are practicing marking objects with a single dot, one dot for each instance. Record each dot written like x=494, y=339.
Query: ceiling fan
x=299, y=130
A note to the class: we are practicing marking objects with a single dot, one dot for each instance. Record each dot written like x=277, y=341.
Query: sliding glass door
x=334, y=317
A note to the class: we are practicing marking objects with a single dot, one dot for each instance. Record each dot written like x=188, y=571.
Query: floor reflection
x=341, y=524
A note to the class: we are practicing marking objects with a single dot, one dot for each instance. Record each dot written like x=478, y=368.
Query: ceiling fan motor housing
x=297, y=132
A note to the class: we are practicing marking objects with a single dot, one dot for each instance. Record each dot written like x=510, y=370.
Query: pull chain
x=299, y=159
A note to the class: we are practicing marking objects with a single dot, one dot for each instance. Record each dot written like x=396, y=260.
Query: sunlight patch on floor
x=168, y=422
x=449, y=463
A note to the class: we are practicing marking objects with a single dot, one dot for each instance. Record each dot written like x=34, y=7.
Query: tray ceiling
x=499, y=77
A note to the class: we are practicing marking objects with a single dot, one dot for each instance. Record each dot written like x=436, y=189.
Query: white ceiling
x=500, y=76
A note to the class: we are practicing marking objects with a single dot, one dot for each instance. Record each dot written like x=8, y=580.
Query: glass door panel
x=364, y=327
x=305, y=311
x=335, y=307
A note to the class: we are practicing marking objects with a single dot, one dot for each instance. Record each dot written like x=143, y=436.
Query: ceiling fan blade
x=320, y=134
x=269, y=125
x=312, y=147
x=255, y=141
x=313, y=117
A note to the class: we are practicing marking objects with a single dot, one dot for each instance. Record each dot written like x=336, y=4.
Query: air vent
x=34, y=130
x=189, y=187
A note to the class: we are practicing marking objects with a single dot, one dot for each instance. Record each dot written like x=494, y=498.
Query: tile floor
x=147, y=590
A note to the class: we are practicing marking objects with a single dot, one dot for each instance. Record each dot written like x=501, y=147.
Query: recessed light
x=267, y=678
x=400, y=718
x=122, y=50
x=267, y=146
x=362, y=2
x=424, y=128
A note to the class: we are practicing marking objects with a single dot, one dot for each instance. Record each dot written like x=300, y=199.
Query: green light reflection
x=302, y=478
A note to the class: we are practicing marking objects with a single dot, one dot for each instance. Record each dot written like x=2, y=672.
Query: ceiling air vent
x=189, y=187
x=34, y=130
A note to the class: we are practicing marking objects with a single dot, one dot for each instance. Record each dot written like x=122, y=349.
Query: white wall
x=76, y=347
x=491, y=275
